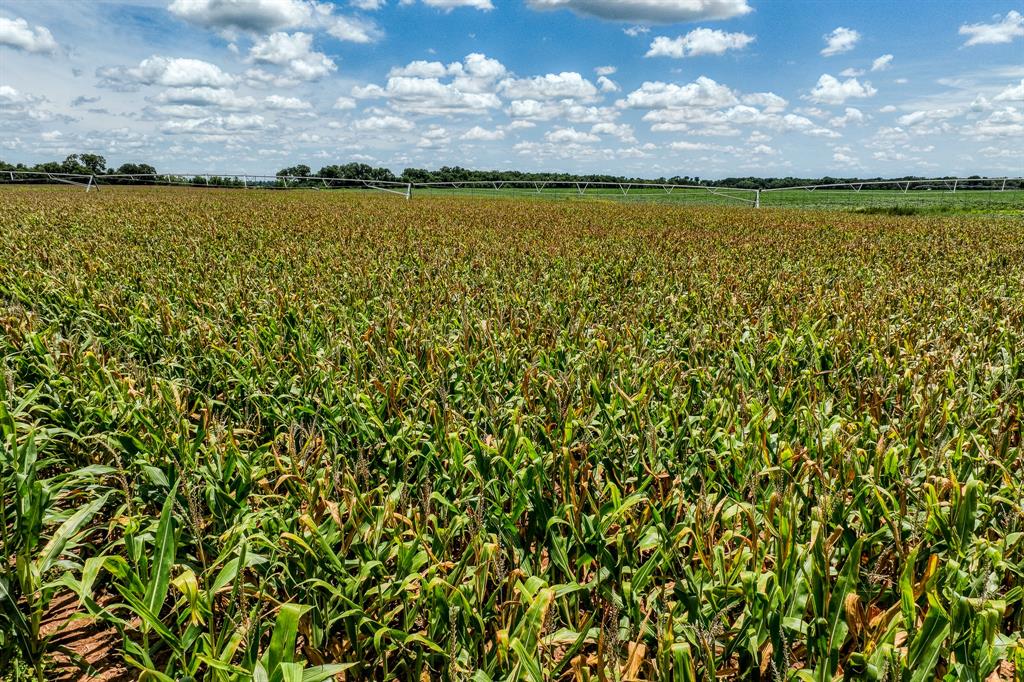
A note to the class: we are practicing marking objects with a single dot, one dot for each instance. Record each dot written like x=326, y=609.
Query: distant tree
x=93, y=163
x=71, y=164
x=416, y=175
x=299, y=171
x=355, y=171
x=136, y=169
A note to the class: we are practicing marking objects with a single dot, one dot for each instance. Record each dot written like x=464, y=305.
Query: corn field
x=310, y=436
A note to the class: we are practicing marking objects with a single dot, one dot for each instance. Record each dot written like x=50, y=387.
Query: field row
x=929, y=200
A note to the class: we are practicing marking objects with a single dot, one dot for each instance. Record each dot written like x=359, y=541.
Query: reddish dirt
x=1004, y=673
x=94, y=645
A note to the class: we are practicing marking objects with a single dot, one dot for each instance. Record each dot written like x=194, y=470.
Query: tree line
x=96, y=165
x=446, y=174
x=82, y=164
x=300, y=174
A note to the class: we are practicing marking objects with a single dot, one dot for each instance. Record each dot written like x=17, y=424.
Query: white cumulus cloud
x=266, y=16
x=431, y=96
x=831, y=90
x=851, y=115
x=706, y=107
x=216, y=125
x=653, y=11
x=294, y=52
x=703, y=92
x=1013, y=93
x=1000, y=32
x=840, y=40
x=569, y=109
x=482, y=134
x=918, y=117
x=353, y=29
x=844, y=156
x=622, y=131
x=286, y=103
x=174, y=72
x=449, y=5
x=1001, y=123
x=570, y=136
x=882, y=63
x=699, y=41
x=258, y=16
x=421, y=69
x=434, y=138
x=567, y=84
x=769, y=101
x=204, y=97
x=384, y=122
x=22, y=109
x=433, y=88
x=18, y=34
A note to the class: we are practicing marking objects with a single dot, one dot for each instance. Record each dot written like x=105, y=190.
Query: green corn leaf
x=226, y=575
x=289, y=672
x=527, y=660
x=21, y=632
x=907, y=600
x=282, y=640
x=966, y=514
x=927, y=646
x=420, y=639
x=164, y=546
x=222, y=665
x=149, y=619
x=259, y=673
x=845, y=585
x=529, y=627
x=66, y=532
x=321, y=673
x=682, y=663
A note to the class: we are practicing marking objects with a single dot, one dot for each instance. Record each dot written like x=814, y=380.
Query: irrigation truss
x=212, y=180
x=837, y=193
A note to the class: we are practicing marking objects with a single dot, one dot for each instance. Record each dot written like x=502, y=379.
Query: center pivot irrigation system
x=851, y=193
x=211, y=180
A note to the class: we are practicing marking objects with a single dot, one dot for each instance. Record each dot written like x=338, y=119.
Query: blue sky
x=706, y=88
